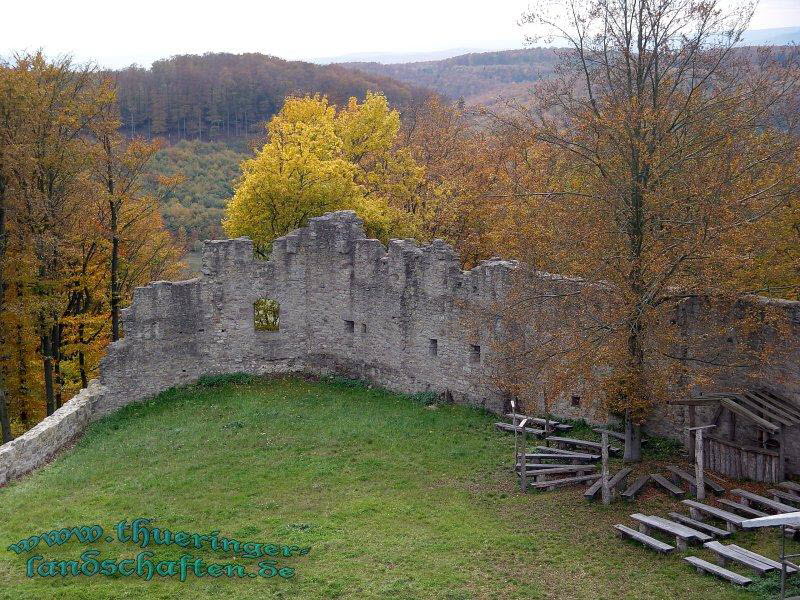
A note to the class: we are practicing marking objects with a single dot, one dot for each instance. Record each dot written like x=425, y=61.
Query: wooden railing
x=741, y=462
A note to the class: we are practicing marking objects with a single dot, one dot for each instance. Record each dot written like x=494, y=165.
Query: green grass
x=397, y=498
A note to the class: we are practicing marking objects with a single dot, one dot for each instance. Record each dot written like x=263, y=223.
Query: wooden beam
x=750, y=416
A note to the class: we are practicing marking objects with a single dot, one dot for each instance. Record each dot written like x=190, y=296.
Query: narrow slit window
x=474, y=353
x=266, y=315
x=349, y=326
x=363, y=328
x=433, y=347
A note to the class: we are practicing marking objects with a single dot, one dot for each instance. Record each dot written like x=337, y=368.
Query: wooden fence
x=741, y=462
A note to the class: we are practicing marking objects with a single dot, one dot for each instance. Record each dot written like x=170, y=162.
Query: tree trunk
x=47, y=363
x=82, y=357
x=58, y=379
x=633, y=440
x=5, y=424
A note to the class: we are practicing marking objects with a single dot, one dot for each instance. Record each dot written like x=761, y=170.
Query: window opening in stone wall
x=266, y=314
x=349, y=326
x=474, y=353
x=576, y=401
x=433, y=347
x=363, y=328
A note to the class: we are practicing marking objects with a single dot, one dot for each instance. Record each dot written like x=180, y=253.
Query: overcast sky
x=116, y=33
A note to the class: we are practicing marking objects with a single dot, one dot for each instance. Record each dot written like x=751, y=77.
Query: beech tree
x=674, y=149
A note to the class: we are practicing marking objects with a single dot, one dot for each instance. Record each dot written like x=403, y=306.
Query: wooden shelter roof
x=767, y=410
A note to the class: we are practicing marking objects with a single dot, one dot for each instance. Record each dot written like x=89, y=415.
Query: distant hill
x=219, y=96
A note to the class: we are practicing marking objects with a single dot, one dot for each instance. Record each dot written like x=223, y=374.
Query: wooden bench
x=635, y=488
x=679, y=474
x=790, y=485
x=700, y=526
x=749, y=511
x=596, y=446
x=671, y=488
x=650, y=542
x=563, y=458
x=570, y=453
x=727, y=554
x=751, y=498
x=683, y=535
x=618, y=480
x=697, y=509
x=703, y=566
x=779, y=495
x=518, y=429
x=553, y=424
x=554, y=483
x=559, y=470
x=790, y=568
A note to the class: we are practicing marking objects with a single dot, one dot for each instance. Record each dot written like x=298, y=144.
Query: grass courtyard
x=394, y=498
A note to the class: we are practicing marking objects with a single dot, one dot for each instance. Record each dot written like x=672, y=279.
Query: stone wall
x=396, y=316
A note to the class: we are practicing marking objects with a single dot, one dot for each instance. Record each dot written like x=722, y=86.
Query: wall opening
x=474, y=353
x=575, y=401
x=349, y=326
x=266, y=314
x=363, y=328
x=433, y=347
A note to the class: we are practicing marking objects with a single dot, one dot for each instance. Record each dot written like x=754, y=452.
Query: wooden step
x=683, y=534
x=635, y=488
x=671, y=488
x=726, y=554
x=679, y=474
x=698, y=509
x=703, y=566
x=554, y=483
x=618, y=480
x=518, y=429
x=596, y=446
x=749, y=511
x=700, y=526
x=750, y=497
x=642, y=538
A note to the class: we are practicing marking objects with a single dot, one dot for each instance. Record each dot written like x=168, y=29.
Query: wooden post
x=523, y=474
x=782, y=454
x=692, y=424
x=698, y=461
x=516, y=433
x=604, y=454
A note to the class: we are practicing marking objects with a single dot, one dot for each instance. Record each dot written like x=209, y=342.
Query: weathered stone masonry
x=347, y=305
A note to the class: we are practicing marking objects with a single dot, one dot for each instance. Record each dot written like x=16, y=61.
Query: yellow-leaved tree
x=318, y=160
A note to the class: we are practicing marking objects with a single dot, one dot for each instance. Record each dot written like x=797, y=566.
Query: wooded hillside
x=217, y=96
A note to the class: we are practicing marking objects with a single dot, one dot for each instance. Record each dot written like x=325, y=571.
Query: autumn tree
x=673, y=151
x=317, y=160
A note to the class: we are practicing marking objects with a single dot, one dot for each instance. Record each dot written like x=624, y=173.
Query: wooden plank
x=636, y=487
x=777, y=411
x=703, y=566
x=762, y=501
x=759, y=407
x=616, y=481
x=700, y=526
x=781, y=495
x=560, y=457
x=511, y=428
x=552, y=484
x=678, y=529
x=564, y=452
x=785, y=403
x=550, y=470
x=749, y=511
x=642, y=538
x=698, y=508
x=773, y=563
x=580, y=443
x=553, y=424
x=671, y=488
x=727, y=554
x=716, y=488
x=790, y=485
x=749, y=415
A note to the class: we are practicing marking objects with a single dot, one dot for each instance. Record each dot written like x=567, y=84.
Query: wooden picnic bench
x=697, y=509
x=703, y=566
x=751, y=498
x=642, y=538
x=683, y=534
